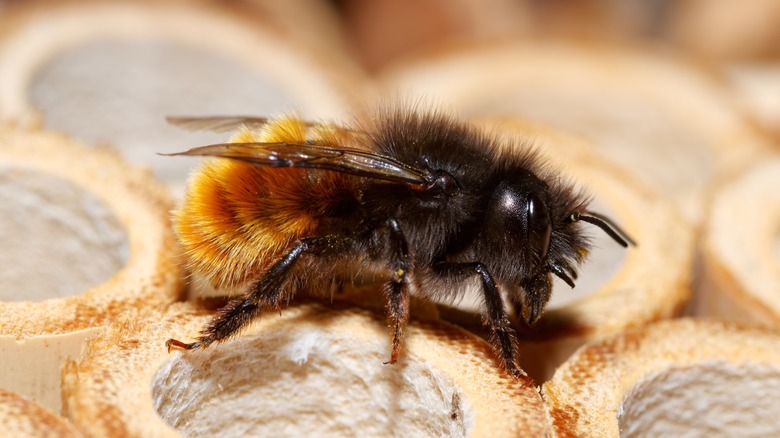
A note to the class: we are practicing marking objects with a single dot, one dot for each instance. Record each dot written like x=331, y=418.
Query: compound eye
x=539, y=225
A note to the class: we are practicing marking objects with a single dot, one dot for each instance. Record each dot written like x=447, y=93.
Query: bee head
x=533, y=237
x=518, y=221
x=519, y=227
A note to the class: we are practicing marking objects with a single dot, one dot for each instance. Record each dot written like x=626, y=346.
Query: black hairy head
x=512, y=211
x=491, y=172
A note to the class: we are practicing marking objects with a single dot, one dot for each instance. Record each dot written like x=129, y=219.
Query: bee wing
x=229, y=123
x=352, y=161
x=216, y=123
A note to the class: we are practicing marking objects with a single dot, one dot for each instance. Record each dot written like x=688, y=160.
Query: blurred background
x=108, y=72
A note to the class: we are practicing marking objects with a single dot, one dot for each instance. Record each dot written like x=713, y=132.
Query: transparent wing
x=229, y=123
x=217, y=123
x=352, y=161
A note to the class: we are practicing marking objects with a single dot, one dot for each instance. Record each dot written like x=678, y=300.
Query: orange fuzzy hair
x=238, y=218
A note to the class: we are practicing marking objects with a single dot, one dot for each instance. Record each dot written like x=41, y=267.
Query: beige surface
x=674, y=378
x=740, y=262
x=725, y=30
x=671, y=125
x=316, y=370
x=757, y=85
x=87, y=238
x=21, y=417
x=110, y=72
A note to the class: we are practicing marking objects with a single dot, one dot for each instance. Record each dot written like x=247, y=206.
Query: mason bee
x=422, y=200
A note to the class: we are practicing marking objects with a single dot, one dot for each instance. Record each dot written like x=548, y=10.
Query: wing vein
x=351, y=161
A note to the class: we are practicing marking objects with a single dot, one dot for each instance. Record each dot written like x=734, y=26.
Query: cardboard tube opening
x=48, y=225
x=94, y=91
x=624, y=102
x=85, y=237
x=708, y=399
x=609, y=121
x=741, y=251
x=307, y=383
x=315, y=370
x=112, y=72
x=682, y=377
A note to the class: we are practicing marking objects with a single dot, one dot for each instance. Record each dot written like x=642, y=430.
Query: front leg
x=267, y=292
x=502, y=336
x=537, y=291
x=397, y=288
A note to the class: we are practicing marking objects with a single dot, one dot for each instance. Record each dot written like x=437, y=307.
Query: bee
x=424, y=201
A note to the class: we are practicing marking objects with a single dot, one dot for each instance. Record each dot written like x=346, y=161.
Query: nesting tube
x=316, y=370
x=20, y=416
x=85, y=238
x=670, y=124
x=112, y=71
x=740, y=255
x=681, y=377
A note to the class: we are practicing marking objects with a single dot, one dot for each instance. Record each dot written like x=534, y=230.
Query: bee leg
x=538, y=290
x=397, y=289
x=173, y=343
x=267, y=292
x=502, y=335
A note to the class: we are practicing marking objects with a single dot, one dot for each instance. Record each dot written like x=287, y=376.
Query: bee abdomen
x=238, y=218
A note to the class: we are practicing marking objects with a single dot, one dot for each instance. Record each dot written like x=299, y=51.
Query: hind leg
x=267, y=292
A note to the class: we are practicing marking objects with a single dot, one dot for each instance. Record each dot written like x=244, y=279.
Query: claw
x=515, y=371
x=393, y=356
x=173, y=343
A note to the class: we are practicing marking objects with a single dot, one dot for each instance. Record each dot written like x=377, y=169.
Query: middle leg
x=397, y=288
